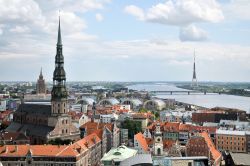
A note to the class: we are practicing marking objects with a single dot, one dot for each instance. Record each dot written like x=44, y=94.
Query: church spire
x=59, y=38
x=59, y=73
x=59, y=92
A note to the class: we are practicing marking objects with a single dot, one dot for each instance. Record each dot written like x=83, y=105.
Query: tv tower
x=194, y=79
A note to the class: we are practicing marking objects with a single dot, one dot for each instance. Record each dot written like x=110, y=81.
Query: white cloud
x=73, y=5
x=136, y=11
x=168, y=54
x=99, y=17
x=71, y=23
x=22, y=11
x=20, y=29
x=238, y=9
x=181, y=13
x=192, y=33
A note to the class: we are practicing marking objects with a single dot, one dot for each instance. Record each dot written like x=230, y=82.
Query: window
x=62, y=131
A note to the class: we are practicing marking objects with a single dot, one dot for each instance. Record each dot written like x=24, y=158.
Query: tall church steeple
x=59, y=91
x=59, y=38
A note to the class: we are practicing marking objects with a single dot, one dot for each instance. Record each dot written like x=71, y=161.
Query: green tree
x=143, y=110
x=59, y=141
x=133, y=127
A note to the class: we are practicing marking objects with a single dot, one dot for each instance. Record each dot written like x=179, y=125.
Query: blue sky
x=132, y=40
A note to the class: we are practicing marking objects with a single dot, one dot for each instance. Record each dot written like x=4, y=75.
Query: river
x=208, y=101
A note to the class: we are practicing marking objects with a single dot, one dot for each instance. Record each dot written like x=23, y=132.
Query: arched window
x=159, y=151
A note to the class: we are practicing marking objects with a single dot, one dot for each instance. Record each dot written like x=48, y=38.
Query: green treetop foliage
x=133, y=127
x=59, y=141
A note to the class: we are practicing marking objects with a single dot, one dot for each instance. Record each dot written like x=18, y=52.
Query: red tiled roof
x=139, y=116
x=152, y=126
x=46, y=150
x=203, y=128
x=142, y=141
x=51, y=150
x=92, y=126
x=215, y=153
x=99, y=132
x=185, y=127
x=14, y=150
x=168, y=143
x=171, y=126
x=150, y=141
x=88, y=141
x=75, y=115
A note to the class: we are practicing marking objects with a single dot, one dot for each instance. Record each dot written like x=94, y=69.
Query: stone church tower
x=43, y=123
x=158, y=143
x=40, y=85
x=59, y=103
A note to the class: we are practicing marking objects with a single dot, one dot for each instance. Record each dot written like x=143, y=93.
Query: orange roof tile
x=142, y=141
x=171, y=126
x=46, y=150
x=14, y=150
x=168, y=143
x=92, y=126
x=88, y=141
x=51, y=150
x=215, y=153
x=99, y=132
x=150, y=141
x=185, y=127
x=140, y=115
x=204, y=128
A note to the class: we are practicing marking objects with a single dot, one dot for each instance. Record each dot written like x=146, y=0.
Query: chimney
x=16, y=148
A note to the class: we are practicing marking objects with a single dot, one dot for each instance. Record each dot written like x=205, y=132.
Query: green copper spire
x=59, y=77
x=59, y=38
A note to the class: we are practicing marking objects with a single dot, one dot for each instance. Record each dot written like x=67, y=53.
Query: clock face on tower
x=158, y=139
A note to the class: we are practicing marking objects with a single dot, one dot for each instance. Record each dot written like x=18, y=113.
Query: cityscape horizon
x=128, y=117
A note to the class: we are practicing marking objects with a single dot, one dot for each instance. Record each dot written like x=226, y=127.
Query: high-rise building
x=47, y=122
x=40, y=85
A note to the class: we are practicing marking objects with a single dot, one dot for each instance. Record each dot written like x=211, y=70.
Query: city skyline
x=127, y=41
